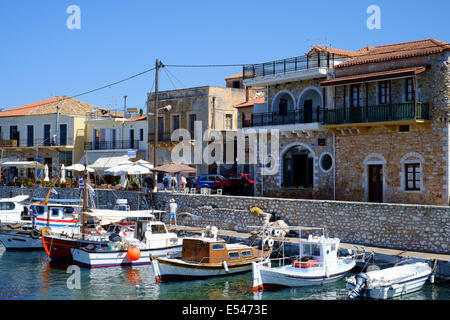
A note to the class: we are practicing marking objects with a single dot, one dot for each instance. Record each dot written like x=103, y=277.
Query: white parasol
x=63, y=174
x=46, y=173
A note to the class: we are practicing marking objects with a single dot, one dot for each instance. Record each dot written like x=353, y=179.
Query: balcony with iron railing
x=289, y=117
x=290, y=65
x=112, y=145
x=48, y=142
x=408, y=111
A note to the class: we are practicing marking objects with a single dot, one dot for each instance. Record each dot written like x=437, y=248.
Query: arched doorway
x=298, y=168
x=310, y=102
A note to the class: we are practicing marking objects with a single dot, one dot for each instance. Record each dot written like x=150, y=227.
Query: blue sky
x=40, y=57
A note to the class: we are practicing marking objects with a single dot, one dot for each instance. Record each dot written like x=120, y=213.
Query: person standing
x=173, y=183
x=173, y=211
x=183, y=182
x=166, y=182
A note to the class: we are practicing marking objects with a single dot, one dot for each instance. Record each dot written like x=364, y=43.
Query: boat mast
x=84, y=196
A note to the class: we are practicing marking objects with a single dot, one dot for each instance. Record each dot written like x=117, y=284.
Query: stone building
x=294, y=104
x=388, y=110
x=211, y=106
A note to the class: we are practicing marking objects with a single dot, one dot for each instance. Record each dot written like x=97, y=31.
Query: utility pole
x=123, y=123
x=158, y=65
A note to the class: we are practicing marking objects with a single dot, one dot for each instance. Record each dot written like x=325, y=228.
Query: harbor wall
x=395, y=226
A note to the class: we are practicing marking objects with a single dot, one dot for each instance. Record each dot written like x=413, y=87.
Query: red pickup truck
x=241, y=183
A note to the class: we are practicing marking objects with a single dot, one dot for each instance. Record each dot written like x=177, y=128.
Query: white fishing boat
x=317, y=263
x=12, y=209
x=208, y=256
x=134, y=245
x=26, y=235
x=390, y=282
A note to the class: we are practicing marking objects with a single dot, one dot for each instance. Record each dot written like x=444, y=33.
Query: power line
x=203, y=65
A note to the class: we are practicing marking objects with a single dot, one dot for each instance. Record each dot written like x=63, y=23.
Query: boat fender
x=35, y=234
x=225, y=265
x=277, y=233
x=100, y=230
x=270, y=243
x=361, y=281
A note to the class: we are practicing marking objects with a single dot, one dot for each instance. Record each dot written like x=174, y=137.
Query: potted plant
x=38, y=183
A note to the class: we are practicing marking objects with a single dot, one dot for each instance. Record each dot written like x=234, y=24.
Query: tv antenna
x=323, y=42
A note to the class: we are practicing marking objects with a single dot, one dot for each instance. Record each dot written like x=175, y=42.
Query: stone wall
x=405, y=227
x=395, y=226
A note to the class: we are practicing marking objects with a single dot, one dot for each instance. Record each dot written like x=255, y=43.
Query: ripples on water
x=30, y=276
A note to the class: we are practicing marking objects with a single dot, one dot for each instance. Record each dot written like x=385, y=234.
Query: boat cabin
x=203, y=250
x=316, y=251
x=55, y=216
x=11, y=210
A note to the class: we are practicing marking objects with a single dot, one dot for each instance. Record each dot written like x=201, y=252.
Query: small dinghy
x=390, y=282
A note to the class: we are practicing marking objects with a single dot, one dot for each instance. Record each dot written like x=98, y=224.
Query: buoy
x=133, y=253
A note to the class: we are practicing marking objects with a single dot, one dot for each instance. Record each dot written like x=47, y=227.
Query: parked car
x=241, y=183
x=212, y=181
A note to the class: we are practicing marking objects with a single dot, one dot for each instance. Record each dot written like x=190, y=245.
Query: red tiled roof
x=335, y=51
x=250, y=103
x=68, y=106
x=136, y=119
x=397, y=51
x=374, y=76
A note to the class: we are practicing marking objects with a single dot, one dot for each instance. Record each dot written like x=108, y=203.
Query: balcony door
x=308, y=111
x=47, y=138
x=30, y=135
x=376, y=183
x=63, y=134
x=283, y=107
x=14, y=134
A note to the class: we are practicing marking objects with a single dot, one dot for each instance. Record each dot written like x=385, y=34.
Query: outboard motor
x=361, y=280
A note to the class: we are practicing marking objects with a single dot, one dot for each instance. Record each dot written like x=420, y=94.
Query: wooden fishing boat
x=390, y=282
x=208, y=256
x=316, y=264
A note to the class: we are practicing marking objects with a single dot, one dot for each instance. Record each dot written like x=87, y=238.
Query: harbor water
x=30, y=276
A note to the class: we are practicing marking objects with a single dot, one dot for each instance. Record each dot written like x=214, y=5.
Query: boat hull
x=59, y=248
x=392, y=291
x=177, y=270
x=20, y=240
x=271, y=278
x=104, y=258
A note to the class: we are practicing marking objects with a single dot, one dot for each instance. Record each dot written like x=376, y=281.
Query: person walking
x=173, y=183
x=173, y=211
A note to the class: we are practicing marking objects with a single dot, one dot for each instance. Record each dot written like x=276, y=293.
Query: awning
x=100, y=161
x=107, y=216
x=23, y=164
x=373, y=76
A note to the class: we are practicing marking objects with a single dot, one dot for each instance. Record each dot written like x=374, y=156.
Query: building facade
x=294, y=104
x=50, y=131
x=388, y=109
x=112, y=139
x=211, y=107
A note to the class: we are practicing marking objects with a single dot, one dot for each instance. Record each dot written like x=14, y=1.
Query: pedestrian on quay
x=173, y=211
x=173, y=183
x=183, y=182
x=166, y=182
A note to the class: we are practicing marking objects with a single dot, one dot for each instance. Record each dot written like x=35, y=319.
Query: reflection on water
x=30, y=275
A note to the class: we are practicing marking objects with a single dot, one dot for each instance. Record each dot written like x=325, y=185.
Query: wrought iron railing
x=379, y=113
x=298, y=116
x=112, y=145
x=49, y=142
x=324, y=60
